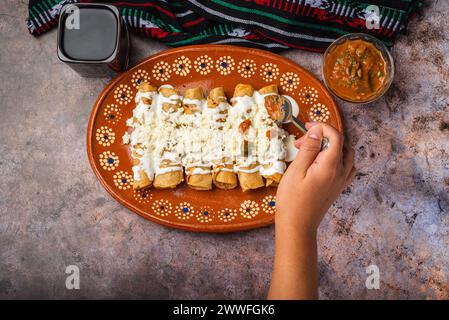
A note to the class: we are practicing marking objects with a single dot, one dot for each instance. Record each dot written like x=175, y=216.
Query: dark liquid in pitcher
x=95, y=40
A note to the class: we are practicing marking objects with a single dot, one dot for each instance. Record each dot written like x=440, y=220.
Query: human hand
x=314, y=179
x=310, y=185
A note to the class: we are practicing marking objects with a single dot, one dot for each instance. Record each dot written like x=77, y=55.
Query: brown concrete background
x=54, y=213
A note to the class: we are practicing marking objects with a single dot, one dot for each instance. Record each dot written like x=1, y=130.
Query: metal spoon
x=289, y=117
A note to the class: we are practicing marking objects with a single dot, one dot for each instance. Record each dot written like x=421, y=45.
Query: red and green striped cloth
x=269, y=24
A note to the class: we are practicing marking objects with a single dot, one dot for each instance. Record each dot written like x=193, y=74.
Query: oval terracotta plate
x=207, y=66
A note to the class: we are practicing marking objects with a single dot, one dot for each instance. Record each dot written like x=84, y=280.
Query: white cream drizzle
x=292, y=151
x=148, y=95
x=208, y=136
x=198, y=103
x=253, y=170
x=275, y=167
x=160, y=170
x=200, y=171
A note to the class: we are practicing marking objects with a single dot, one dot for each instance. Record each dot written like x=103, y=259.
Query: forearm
x=307, y=189
x=295, y=264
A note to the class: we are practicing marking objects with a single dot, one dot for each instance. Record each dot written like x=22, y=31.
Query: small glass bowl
x=388, y=58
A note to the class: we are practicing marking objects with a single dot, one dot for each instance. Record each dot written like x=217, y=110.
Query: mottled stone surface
x=54, y=213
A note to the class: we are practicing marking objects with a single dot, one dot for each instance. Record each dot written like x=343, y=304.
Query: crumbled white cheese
x=126, y=138
x=210, y=136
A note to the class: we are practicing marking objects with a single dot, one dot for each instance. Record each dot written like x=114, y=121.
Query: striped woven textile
x=269, y=24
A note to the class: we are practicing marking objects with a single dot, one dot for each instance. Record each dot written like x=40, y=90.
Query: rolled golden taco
x=271, y=147
x=272, y=88
x=143, y=115
x=198, y=172
x=244, y=105
x=250, y=178
x=248, y=168
x=143, y=173
x=273, y=102
x=245, y=136
x=146, y=93
x=144, y=99
x=170, y=101
x=242, y=90
x=168, y=176
x=168, y=169
x=216, y=114
x=216, y=96
x=193, y=100
x=199, y=178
